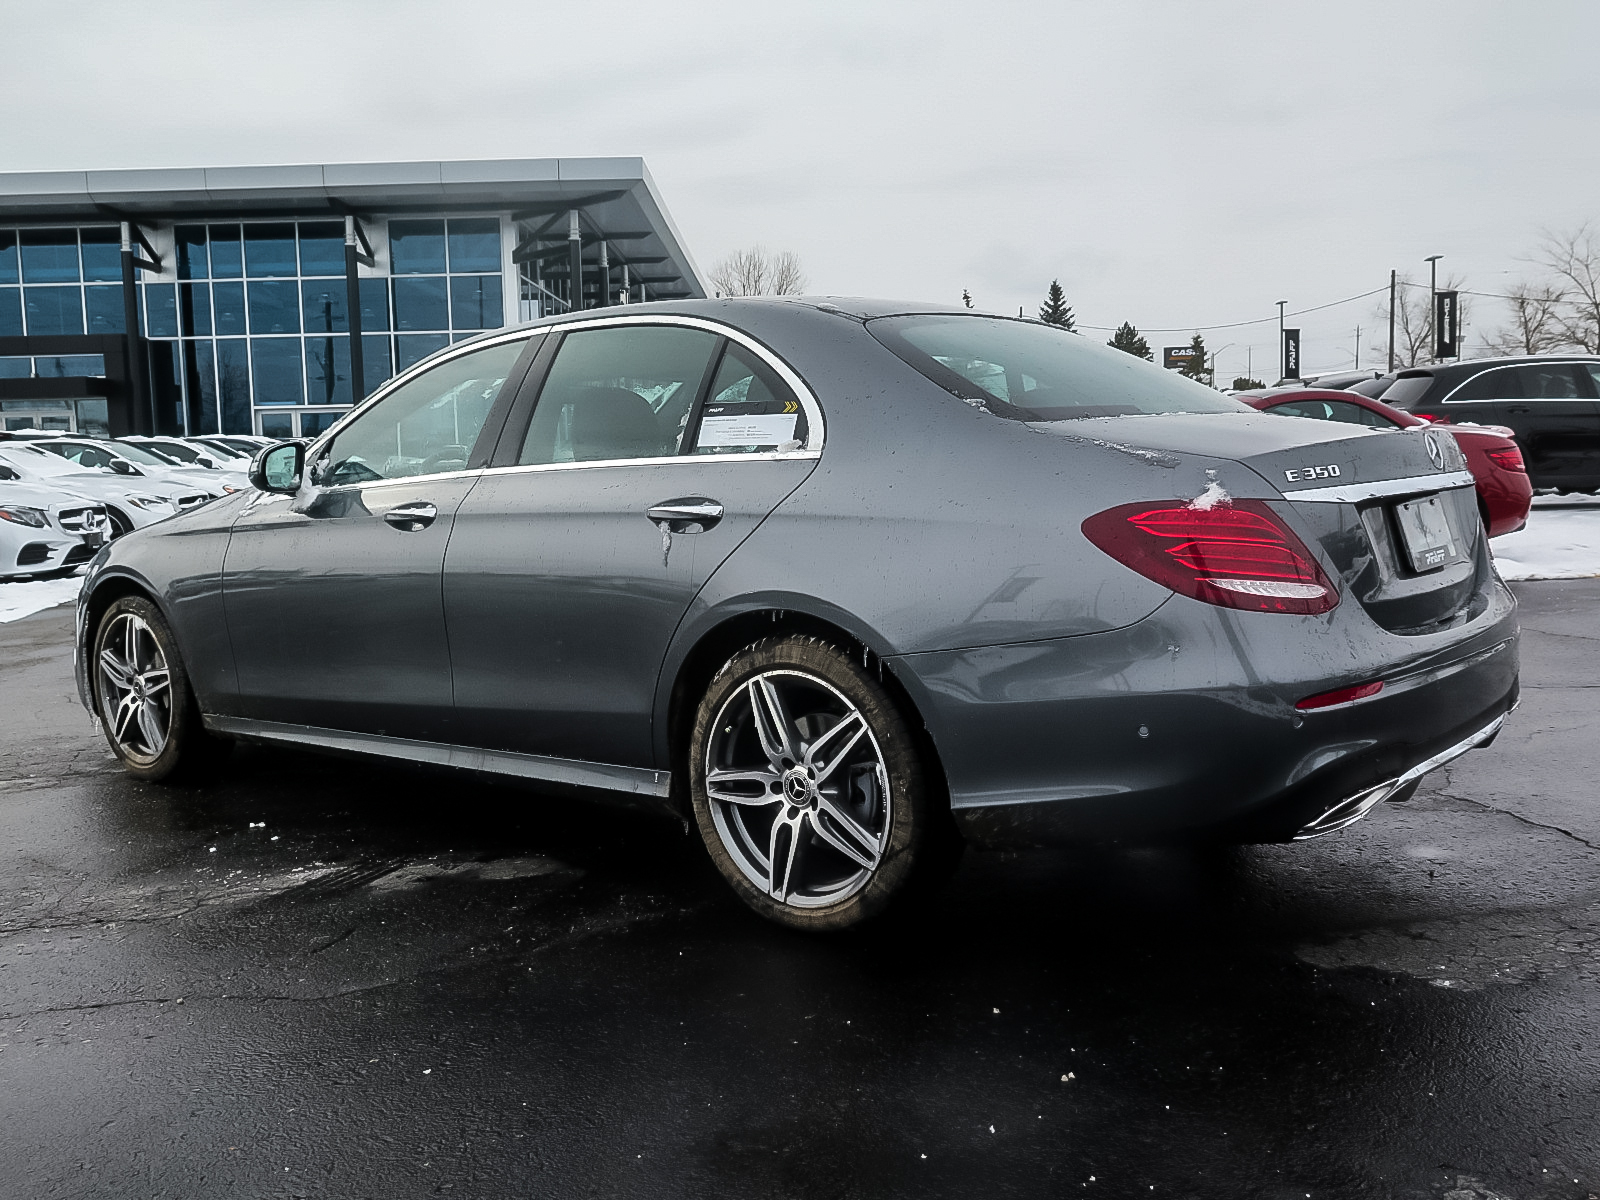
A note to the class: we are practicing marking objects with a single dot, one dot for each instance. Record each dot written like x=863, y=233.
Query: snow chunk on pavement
x=23, y=598
x=1558, y=542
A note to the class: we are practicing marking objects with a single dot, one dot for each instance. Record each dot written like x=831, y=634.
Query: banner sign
x=1291, y=354
x=1446, y=324
x=1175, y=358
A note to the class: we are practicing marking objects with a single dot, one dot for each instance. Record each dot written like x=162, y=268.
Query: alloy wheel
x=798, y=789
x=135, y=689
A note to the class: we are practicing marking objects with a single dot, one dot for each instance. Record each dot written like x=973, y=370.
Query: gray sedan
x=847, y=584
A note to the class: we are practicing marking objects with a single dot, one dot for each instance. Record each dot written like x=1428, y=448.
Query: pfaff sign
x=1291, y=354
x=1446, y=324
x=1175, y=358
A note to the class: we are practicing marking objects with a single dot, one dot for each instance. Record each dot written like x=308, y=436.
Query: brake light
x=1432, y=418
x=1509, y=459
x=1237, y=555
x=1347, y=695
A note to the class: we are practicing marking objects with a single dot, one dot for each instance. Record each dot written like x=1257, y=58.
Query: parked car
x=175, y=448
x=245, y=444
x=130, y=503
x=44, y=531
x=1493, y=457
x=1339, y=380
x=843, y=583
x=1550, y=402
x=226, y=455
x=128, y=459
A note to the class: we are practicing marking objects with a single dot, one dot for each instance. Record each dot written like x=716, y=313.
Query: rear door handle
x=689, y=514
x=408, y=518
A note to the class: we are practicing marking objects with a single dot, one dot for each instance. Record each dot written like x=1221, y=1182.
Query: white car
x=180, y=453
x=43, y=530
x=130, y=503
x=130, y=460
x=229, y=451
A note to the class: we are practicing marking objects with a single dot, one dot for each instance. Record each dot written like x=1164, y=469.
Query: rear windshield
x=1407, y=390
x=1033, y=372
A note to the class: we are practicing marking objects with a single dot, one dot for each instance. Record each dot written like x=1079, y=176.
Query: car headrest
x=614, y=423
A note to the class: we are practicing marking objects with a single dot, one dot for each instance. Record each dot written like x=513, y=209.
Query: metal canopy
x=612, y=193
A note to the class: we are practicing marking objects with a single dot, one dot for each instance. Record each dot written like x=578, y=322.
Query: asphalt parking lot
x=324, y=978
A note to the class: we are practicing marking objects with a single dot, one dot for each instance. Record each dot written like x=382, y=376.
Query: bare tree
x=1538, y=321
x=757, y=272
x=1574, y=258
x=1413, y=321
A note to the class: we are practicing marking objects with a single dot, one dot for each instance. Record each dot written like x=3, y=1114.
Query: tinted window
x=747, y=409
x=50, y=256
x=618, y=393
x=1504, y=384
x=416, y=247
x=1333, y=410
x=102, y=254
x=1405, y=392
x=322, y=248
x=1594, y=377
x=1034, y=372
x=269, y=249
x=425, y=425
x=1549, y=381
x=1372, y=388
x=475, y=244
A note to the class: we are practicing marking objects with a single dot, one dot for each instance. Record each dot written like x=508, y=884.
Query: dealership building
x=268, y=299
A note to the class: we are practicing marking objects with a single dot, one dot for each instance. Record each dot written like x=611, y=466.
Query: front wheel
x=809, y=788
x=142, y=691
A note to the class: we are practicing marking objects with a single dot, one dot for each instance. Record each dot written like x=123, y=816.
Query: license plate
x=1425, y=530
x=95, y=540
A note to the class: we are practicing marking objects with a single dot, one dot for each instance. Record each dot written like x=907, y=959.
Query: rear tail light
x=1432, y=418
x=1237, y=555
x=1509, y=459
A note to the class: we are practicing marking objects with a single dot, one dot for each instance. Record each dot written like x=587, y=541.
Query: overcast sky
x=1173, y=164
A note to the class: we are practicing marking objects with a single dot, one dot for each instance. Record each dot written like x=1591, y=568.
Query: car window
x=1033, y=372
x=748, y=409
x=426, y=425
x=1333, y=410
x=138, y=454
x=86, y=456
x=186, y=455
x=1406, y=391
x=1594, y=376
x=624, y=392
x=1372, y=388
x=1548, y=381
x=1504, y=384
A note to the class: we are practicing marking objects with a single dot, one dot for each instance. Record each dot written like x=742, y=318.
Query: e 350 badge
x=1331, y=471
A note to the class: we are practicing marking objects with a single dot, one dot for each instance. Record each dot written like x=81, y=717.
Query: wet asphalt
x=316, y=977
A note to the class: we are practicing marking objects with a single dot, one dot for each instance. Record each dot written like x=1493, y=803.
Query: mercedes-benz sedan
x=845, y=584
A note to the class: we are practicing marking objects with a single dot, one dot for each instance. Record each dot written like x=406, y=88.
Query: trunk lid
x=1355, y=493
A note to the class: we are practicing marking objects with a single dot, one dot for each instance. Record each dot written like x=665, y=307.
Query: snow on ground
x=1561, y=541
x=18, y=598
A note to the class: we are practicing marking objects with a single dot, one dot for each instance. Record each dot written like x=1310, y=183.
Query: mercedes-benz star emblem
x=1435, y=450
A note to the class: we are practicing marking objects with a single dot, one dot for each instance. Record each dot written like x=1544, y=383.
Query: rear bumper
x=1170, y=731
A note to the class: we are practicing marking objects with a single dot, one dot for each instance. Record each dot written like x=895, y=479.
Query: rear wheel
x=809, y=788
x=142, y=692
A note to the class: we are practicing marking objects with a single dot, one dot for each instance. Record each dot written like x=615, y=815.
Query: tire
x=120, y=524
x=800, y=757
x=143, y=697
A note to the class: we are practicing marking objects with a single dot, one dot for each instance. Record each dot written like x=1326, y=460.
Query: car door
x=1550, y=409
x=653, y=449
x=333, y=594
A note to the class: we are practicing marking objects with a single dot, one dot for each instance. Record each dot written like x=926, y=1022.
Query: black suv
x=1551, y=403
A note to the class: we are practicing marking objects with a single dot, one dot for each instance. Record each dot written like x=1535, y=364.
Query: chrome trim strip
x=665, y=460
x=1354, y=493
x=1350, y=810
x=640, y=781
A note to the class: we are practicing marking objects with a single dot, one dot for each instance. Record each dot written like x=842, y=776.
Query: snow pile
x=18, y=599
x=1561, y=541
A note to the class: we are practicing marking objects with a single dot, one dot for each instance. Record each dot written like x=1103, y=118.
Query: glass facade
x=249, y=324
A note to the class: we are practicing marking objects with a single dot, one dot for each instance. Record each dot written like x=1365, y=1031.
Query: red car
x=1504, y=491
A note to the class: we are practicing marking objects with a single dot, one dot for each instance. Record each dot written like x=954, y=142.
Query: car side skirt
x=638, y=781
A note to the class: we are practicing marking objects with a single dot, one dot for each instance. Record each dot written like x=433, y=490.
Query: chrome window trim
x=641, y=781
x=659, y=460
x=1561, y=362
x=1354, y=493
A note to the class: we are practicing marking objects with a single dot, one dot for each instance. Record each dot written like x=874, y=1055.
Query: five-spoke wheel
x=142, y=693
x=807, y=785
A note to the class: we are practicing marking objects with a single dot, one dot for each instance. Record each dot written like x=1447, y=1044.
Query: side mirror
x=206, y=462
x=123, y=467
x=278, y=468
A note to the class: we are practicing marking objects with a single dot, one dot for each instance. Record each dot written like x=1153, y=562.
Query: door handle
x=691, y=514
x=1519, y=408
x=408, y=518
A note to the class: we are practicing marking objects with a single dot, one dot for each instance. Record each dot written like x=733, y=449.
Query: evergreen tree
x=1130, y=341
x=966, y=297
x=1243, y=383
x=1195, y=368
x=1055, y=310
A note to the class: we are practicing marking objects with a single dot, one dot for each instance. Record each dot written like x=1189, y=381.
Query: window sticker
x=746, y=429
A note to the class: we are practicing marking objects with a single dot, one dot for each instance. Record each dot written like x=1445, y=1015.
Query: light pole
x=1283, y=367
x=1433, y=293
x=1212, y=371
